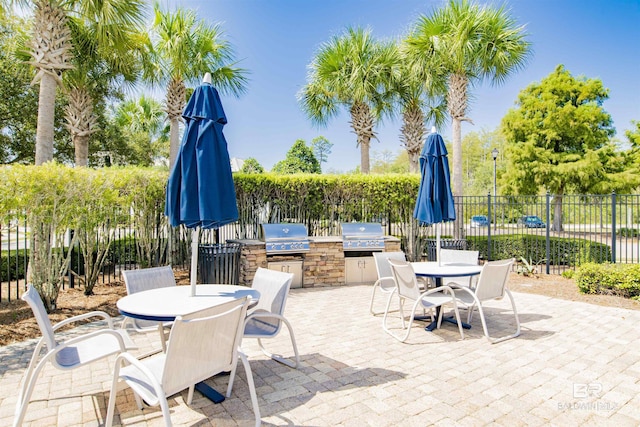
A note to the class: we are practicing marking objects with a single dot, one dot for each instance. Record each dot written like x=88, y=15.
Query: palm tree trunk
x=174, y=140
x=175, y=102
x=80, y=122
x=457, y=103
x=46, y=109
x=413, y=133
x=362, y=125
x=81, y=144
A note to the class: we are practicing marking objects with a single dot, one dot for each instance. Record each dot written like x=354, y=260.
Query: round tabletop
x=433, y=269
x=165, y=304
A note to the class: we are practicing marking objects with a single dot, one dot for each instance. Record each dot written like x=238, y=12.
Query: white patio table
x=439, y=271
x=165, y=304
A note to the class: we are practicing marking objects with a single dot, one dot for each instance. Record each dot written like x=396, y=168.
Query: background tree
x=352, y=70
x=477, y=161
x=251, y=165
x=468, y=43
x=181, y=50
x=421, y=97
x=51, y=50
x=18, y=99
x=105, y=43
x=300, y=159
x=558, y=140
x=388, y=162
x=141, y=121
x=321, y=149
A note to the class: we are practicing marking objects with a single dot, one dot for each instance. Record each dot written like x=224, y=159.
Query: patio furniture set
x=201, y=335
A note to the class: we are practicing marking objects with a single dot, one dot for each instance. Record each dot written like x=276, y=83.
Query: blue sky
x=277, y=39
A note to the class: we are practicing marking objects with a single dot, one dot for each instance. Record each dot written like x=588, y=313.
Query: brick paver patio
x=574, y=364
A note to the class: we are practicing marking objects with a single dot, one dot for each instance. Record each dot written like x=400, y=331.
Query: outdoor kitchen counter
x=323, y=264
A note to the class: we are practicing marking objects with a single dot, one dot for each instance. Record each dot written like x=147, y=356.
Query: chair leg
x=31, y=376
x=278, y=357
x=410, y=323
x=252, y=387
x=108, y=422
x=457, y=312
x=373, y=296
x=484, y=323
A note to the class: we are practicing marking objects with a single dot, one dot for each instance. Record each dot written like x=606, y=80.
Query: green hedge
x=13, y=265
x=608, y=279
x=563, y=251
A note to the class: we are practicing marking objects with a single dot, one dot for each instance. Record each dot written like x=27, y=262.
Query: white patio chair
x=407, y=289
x=143, y=280
x=492, y=285
x=69, y=354
x=266, y=318
x=448, y=256
x=200, y=346
x=386, y=283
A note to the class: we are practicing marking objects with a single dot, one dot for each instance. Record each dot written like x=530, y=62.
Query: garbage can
x=459, y=244
x=219, y=263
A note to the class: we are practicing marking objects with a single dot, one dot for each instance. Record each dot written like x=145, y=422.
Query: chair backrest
x=382, y=262
x=459, y=256
x=405, y=277
x=145, y=279
x=203, y=344
x=32, y=297
x=273, y=287
x=493, y=279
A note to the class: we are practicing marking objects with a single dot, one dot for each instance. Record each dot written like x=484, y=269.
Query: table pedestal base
x=209, y=392
x=431, y=326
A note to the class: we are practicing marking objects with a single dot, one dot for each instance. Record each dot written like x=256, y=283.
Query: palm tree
x=352, y=70
x=51, y=49
x=467, y=44
x=184, y=49
x=141, y=120
x=99, y=71
x=422, y=98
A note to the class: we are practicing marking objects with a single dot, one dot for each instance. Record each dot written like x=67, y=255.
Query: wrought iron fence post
x=613, y=227
x=547, y=248
x=489, y=227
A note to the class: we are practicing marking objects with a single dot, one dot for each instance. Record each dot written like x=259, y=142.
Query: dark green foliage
x=628, y=232
x=608, y=279
x=300, y=159
x=563, y=251
x=13, y=264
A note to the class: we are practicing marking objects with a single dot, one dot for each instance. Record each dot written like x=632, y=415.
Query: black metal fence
x=569, y=230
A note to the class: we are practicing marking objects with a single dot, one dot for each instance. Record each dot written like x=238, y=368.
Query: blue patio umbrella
x=200, y=191
x=434, y=203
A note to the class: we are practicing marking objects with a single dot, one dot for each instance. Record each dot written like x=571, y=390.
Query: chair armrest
x=445, y=288
x=91, y=335
x=264, y=315
x=85, y=316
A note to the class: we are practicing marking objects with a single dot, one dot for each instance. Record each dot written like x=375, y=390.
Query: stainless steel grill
x=362, y=236
x=285, y=238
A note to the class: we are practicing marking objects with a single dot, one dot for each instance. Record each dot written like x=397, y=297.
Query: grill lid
x=362, y=235
x=285, y=238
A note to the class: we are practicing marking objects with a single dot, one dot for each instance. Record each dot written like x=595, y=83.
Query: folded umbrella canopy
x=200, y=191
x=434, y=203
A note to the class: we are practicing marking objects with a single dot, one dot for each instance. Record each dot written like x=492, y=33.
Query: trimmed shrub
x=609, y=279
x=563, y=251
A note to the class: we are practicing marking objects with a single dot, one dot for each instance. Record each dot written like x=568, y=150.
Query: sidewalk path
x=574, y=364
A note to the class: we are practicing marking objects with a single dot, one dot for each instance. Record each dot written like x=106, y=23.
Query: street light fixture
x=494, y=154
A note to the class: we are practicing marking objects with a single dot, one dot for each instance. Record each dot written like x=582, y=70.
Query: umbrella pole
x=438, y=244
x=195, y=240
